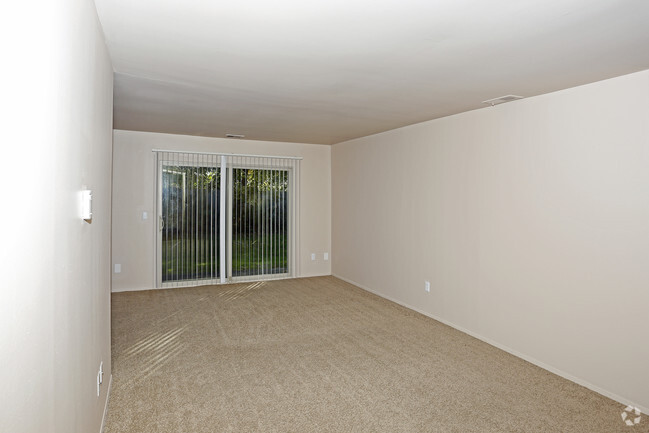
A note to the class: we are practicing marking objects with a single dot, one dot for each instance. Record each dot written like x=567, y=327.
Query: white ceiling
x=325, y=71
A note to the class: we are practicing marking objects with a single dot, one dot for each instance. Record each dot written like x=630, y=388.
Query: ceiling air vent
x=501, y=100
x=234, y=136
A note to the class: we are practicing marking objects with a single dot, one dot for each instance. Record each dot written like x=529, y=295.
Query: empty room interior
x=325, y=216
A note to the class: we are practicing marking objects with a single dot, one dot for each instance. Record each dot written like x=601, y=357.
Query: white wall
x=134, y=193
x=56, y=135
x=530, y=220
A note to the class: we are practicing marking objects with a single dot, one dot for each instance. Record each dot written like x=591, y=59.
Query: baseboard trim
x=509, y=350
x=142, y=289
x=103, y=418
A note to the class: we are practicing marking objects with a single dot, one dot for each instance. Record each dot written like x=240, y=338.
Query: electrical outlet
x=427, y=286
x=326, y=256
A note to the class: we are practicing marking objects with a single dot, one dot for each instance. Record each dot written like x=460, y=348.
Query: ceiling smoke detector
x=234, y=136
x=502, y=100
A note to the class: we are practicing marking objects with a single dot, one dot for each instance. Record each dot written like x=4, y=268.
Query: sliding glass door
x=259, y=222
x=225, y=218
x=190, y=235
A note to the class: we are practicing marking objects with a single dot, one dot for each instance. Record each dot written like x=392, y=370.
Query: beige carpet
x=320, y=355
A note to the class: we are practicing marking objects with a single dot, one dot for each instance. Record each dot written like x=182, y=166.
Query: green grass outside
x=252, y=257
x=189, y=259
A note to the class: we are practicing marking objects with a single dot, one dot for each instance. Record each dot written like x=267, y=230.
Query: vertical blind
x=224, y=217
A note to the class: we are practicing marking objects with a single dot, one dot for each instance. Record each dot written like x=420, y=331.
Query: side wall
x=134, y=193
x=529, y=219
x=55, y=295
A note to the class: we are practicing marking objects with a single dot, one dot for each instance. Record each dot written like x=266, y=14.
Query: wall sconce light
x=86, y=205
